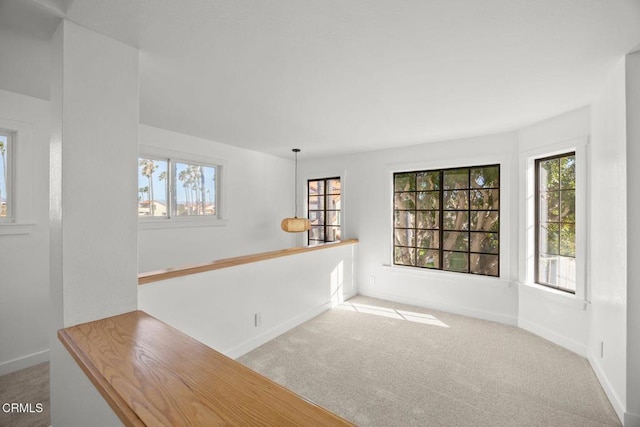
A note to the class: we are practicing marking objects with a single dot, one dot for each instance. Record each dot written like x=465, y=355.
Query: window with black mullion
x=448, y=219
x=323, y=206
x=555, y=218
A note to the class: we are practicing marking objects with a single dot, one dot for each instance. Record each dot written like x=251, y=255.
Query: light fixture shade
x=295, y=225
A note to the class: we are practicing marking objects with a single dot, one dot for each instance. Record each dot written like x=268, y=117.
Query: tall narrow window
x=448, y=219
x=6, y=181
x=323, y=205
x=556, y=222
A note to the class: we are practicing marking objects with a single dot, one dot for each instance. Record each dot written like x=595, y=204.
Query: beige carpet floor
x=27, y=386
x=378, y=363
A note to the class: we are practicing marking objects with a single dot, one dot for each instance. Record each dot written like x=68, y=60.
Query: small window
x=448, y=219
x=556, y=222
x=170, y=188
x=323, y=206
x=6, y=177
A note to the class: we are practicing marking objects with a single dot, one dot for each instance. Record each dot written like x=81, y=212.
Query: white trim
x=272, y=333
x=553, y=336
x=24, y=362
x=182, y=156
x=554, y=295
x=193, y=222
x=10, y=228
x=606, y=386
x=449, y=308
x=350, y=295
x=527, y=197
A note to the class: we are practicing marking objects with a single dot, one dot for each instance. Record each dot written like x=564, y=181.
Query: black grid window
x=323, y=206
x=448, y=219
x=556, y=222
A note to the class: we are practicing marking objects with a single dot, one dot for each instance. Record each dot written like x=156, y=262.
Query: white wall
x=557, y=316
x=24, y=257
x=218, y=307
x=259, y=194
x=632, y=417
x=608, y=233
x=93, y=189
x=26, y=62
x=367, y=204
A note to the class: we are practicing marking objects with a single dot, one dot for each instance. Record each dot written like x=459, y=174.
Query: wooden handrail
x=169, y=273
x=152, y=374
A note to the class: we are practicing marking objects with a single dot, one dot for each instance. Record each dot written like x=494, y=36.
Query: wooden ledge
x=169, y=273
x=152, y=374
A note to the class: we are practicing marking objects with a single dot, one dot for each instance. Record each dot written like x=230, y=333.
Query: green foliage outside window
x=556, y=217
x=448, y=219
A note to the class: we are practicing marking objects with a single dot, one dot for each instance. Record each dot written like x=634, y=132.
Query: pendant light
x=295, y=224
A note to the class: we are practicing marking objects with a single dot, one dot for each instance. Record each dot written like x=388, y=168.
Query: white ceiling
x=337, y=76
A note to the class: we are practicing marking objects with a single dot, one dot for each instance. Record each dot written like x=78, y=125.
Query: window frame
x=537, y=223
x=526, y=223
x=174, y=221
x=10, y=217
x=173, y=190
x=441, y=210
x=324, y=211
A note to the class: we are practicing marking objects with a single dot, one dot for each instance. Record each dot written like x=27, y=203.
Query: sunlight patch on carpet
x=410, y=316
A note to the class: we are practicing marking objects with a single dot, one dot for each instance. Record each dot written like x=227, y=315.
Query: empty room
x=319, y=212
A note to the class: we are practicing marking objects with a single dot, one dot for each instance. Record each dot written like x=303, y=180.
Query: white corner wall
x=367, y=213
x=557, y=316
x=93, y=224
x=608, y=239
x=632, y=415
x=259, y=194
x=24, y=257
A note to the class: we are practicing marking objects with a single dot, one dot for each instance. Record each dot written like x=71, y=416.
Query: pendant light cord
x=295, y=208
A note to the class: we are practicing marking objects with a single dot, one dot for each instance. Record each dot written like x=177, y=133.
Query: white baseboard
x=280, y=329
x=611, y=394
x=451, y=308
x=554, y=337
x=24, y=362
x=350, y=295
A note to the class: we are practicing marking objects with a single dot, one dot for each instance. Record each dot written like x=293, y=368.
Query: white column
x=93, y=245
x=632, y=415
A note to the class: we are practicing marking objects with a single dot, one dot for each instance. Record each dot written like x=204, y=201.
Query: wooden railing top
x=152, y=374
x=169, y=273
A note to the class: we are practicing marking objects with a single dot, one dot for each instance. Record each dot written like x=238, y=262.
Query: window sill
x=554, y=295
x=157, y=224
x=15, y=228
x=447, y=275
